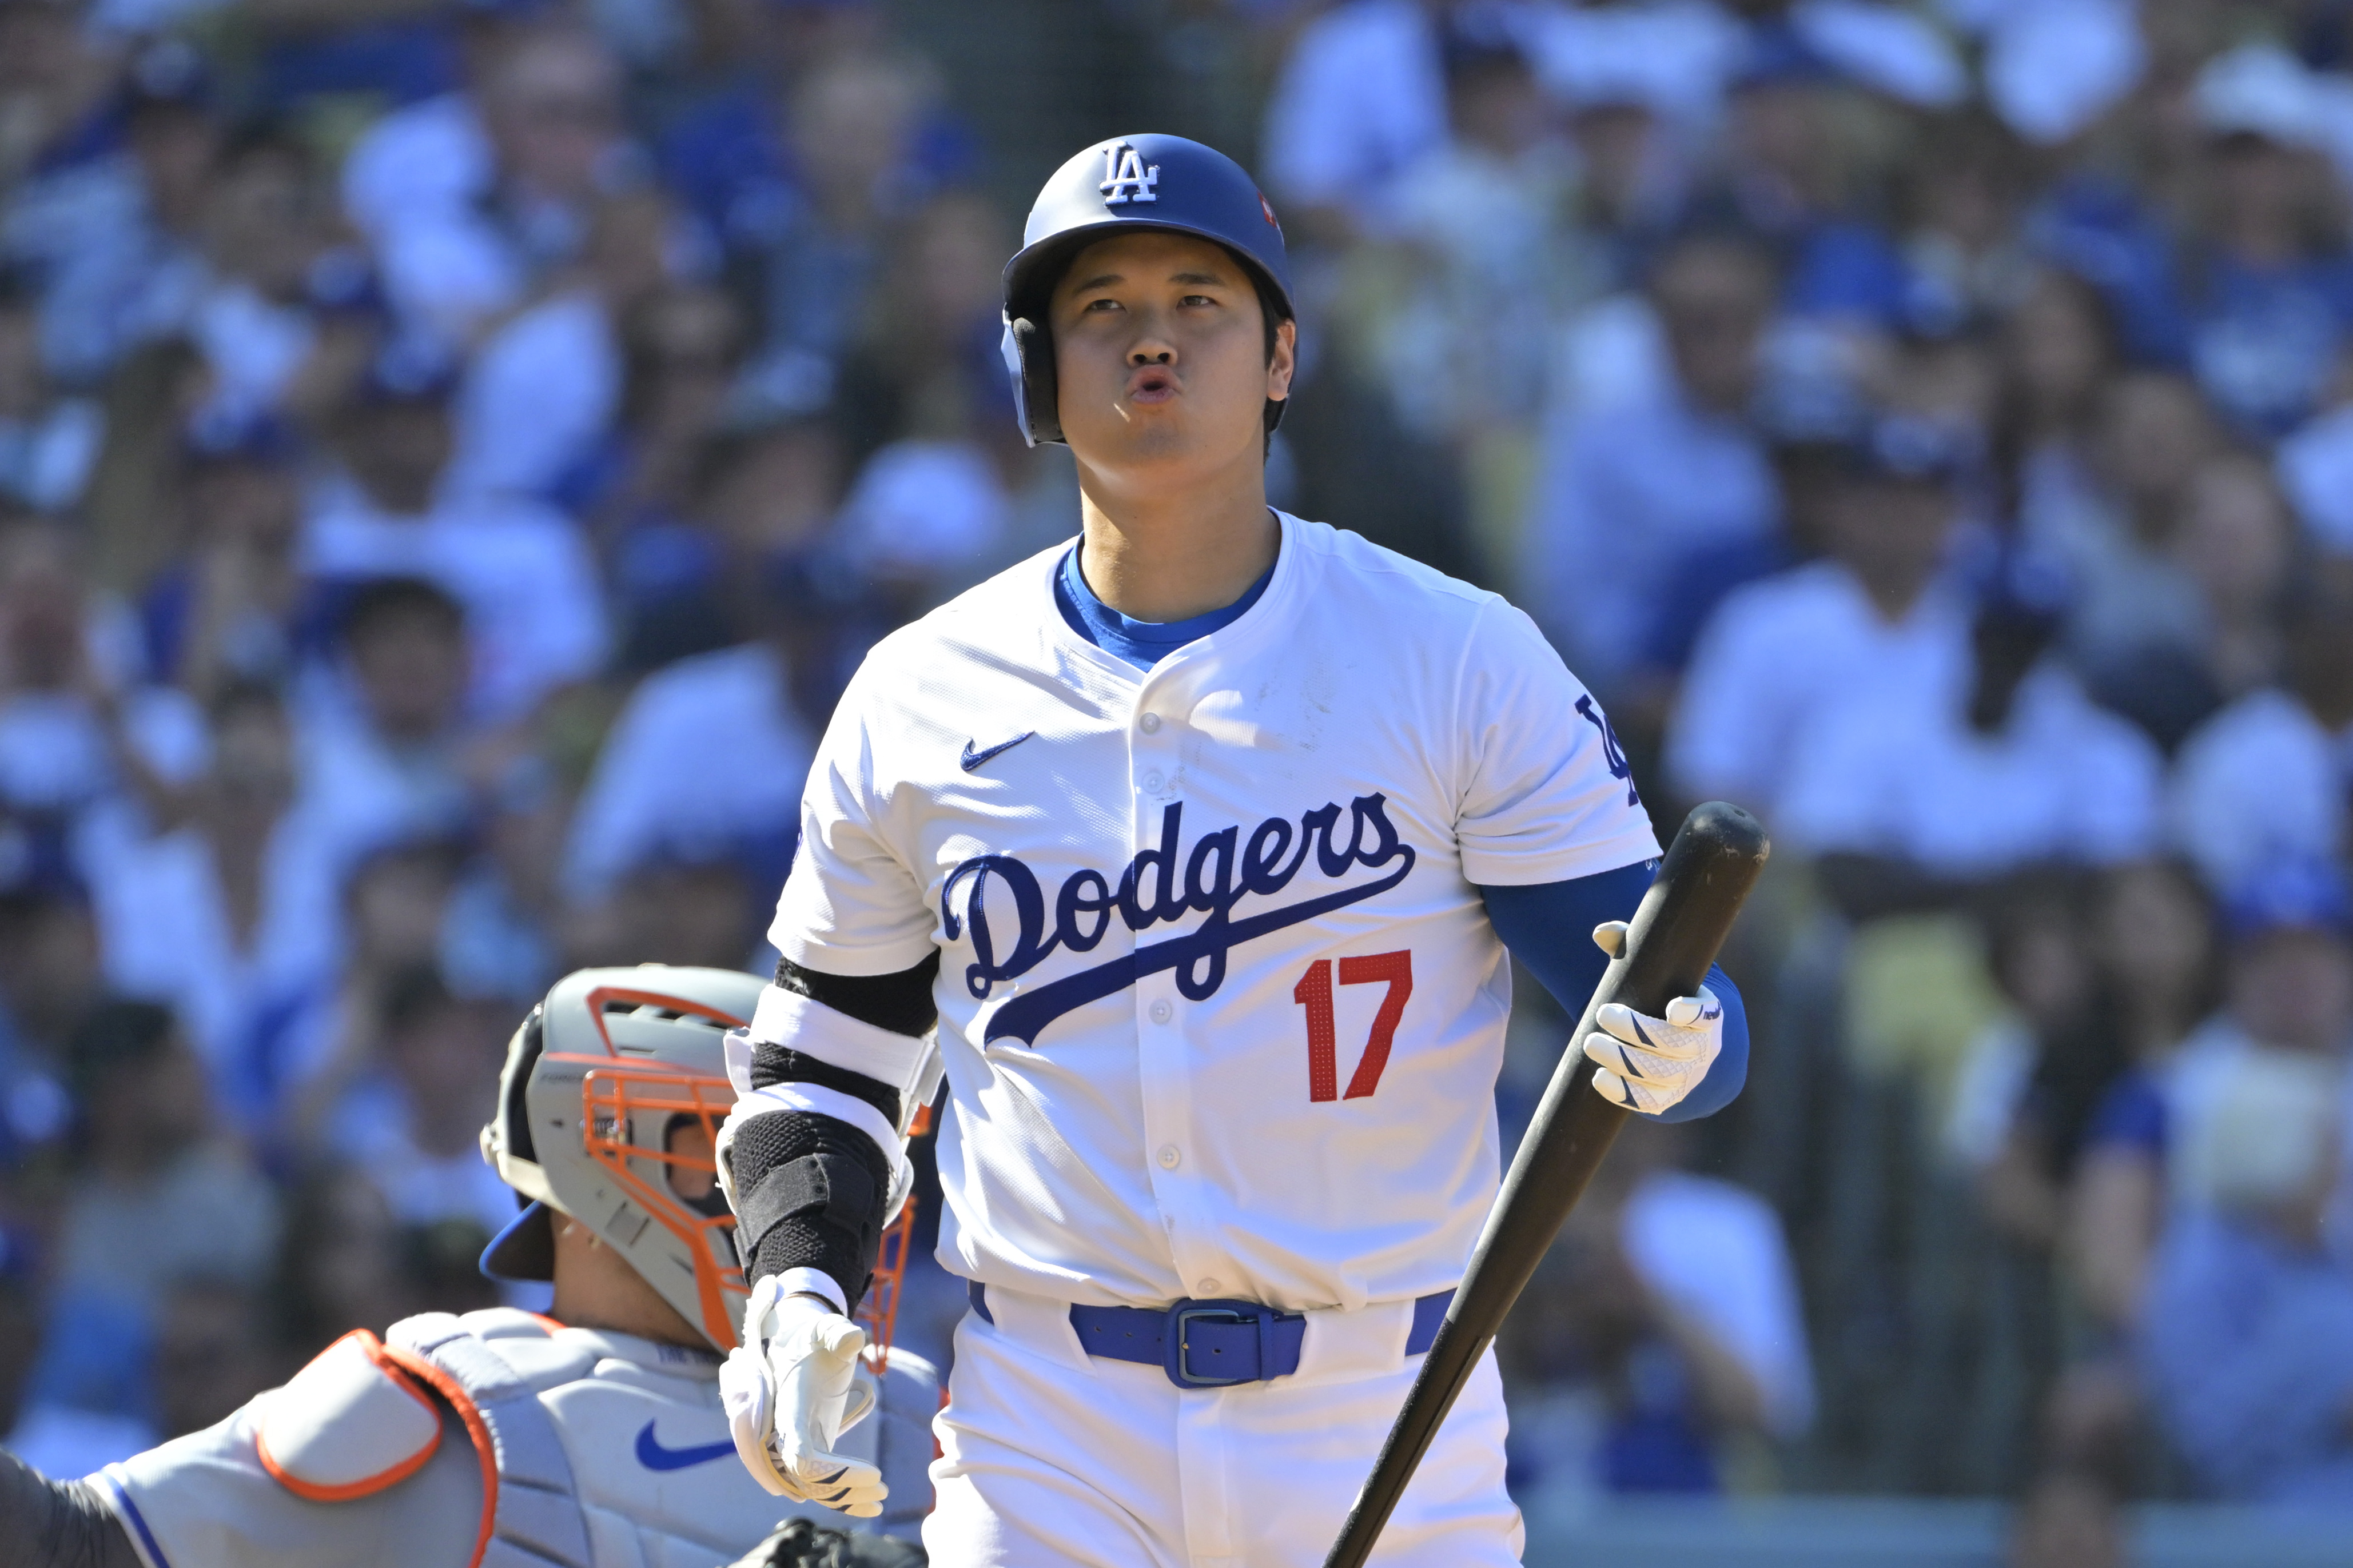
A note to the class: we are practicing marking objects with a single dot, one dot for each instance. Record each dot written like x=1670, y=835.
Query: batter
x=1189, y=852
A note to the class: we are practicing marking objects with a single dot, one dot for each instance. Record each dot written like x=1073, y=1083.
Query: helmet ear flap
x=1030, y=360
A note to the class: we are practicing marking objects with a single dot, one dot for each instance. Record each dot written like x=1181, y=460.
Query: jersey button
x=1161, y=1012
x=1149, y=723
x=1152, y=784
x=1169, y=1158
x=1210, y=1286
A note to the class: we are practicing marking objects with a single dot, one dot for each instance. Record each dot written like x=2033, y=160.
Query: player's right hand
x=791, y=1389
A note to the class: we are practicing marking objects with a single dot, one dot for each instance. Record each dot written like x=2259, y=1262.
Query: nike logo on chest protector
x=654, y=1457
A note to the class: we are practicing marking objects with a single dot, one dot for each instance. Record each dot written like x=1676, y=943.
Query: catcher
x=590, y=1438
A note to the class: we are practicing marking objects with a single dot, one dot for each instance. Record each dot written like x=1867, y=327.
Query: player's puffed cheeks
x=1161, y=352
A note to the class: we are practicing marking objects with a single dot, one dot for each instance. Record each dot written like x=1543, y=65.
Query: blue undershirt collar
x=1140, y=643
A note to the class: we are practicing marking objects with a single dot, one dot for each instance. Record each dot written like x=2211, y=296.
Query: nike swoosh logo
x=654, y=1457
x=972, y=759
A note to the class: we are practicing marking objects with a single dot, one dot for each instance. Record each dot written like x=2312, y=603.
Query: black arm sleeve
x=57, y=1524
x=901, y=1002
x=811, y=1190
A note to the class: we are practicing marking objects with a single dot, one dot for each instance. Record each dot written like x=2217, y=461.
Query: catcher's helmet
x=609, y=1109
x=1130, y=182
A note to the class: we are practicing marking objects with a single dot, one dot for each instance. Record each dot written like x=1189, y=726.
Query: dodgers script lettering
x=1162, y=884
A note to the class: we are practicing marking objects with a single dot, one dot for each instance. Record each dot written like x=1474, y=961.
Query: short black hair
x=117, y=1035
x=384, y=599
x=242, y=695
x=412, y=996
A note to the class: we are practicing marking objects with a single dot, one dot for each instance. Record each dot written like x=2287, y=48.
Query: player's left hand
x=1650, y=1064
x=790, y=1391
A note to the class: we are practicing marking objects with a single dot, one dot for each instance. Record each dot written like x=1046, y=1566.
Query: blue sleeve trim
x=1549, y=928
x=119, y=1496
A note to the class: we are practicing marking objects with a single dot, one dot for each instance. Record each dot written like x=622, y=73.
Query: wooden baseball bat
x=1674, y=935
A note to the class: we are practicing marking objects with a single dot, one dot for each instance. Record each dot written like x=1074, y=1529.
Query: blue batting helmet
x=1130, y=182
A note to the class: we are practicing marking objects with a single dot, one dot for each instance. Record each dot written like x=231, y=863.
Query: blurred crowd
x=453, y=452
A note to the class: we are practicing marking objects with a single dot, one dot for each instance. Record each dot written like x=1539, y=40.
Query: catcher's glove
x=799, y=1543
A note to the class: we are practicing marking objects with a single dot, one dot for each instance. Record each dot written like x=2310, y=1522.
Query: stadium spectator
x=2249, y=1312
x=2288, y=990
x=534, y=614
x=284, y=315
x=378, y=745
x=1361, y=95
x=158, y=1167
x=1664, y=1330
x=2268, y=299
x=501, y=933
x=927, y=365
x=83, y=746
x=1487, y=214
x=48, y=441
x=681, y=350
x=1912, y=795
x=543, y=386
x=654, y=795
x=1629, y=493
x=703, y=908
x=212, y=1351
x=2152, y=937
x=50, y=980
x=2059, y=352
x=2266, y=778
x=1779, y=653
x=470, y=198
x=1967, y=264
x=1788, y=178
x=60, y=1438
x=2113, y=520
x=227, y=609
x=106, y=183
x=763, y=494
x=339, y=1262
x=2029, y=1088
x=396, y=919
x=855, y=123
x=411, y=1118
x=228, y=914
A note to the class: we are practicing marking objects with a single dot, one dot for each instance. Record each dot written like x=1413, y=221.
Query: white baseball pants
x=1054, y=1460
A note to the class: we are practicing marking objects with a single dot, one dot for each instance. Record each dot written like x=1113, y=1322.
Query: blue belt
x=1213, y=1343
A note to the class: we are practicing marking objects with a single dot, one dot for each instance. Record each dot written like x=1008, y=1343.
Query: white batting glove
x=1650, y=1064
x=791, y=1389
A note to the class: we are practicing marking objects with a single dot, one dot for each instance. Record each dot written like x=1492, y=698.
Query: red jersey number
x=1314, y=993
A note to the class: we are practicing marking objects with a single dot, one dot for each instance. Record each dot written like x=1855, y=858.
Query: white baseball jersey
x=1220, y=1008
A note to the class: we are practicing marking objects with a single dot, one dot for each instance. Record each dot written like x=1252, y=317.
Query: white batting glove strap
x=790, y=1391
x=1650, y=1064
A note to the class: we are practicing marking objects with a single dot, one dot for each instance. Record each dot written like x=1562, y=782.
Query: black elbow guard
x=811, y=1192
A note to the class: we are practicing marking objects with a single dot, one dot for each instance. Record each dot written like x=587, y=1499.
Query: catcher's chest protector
x=494, y=1440
x=609, y=1451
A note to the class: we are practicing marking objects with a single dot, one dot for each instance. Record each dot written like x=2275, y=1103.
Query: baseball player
x=1189, y=852
x=593, y=1439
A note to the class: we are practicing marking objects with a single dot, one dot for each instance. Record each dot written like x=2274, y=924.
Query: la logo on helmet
x=1125, y=178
